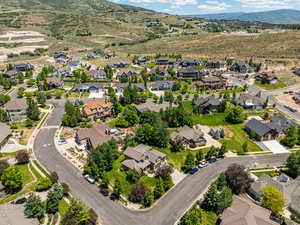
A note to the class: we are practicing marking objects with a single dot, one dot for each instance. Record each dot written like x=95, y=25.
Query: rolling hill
x=69, y=5
x=283, y=16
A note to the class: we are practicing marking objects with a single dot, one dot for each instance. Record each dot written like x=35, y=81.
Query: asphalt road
x=167, y=210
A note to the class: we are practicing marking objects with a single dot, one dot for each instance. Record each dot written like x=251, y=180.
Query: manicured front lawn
x=216, y=119
x=278, y=85
x=177, y=159
x=62, y=207
x=237, y=138
x=26, y=175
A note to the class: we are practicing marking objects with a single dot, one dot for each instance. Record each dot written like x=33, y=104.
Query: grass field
x=278, y=85
x=216, y=119
x=237, y=138
x=26, y=175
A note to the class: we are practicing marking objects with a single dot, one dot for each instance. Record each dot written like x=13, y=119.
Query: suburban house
x=5, y=134
x=119, y=64
x=191, y=137
x=212, y=83
x=161, y=85
x=164, y=61
x=242, y=67
x=126, y=73
x=96, y=74
x=248, y=101
x=266, y=78
x=90, y=138
x=207, y=104
x=97, y=109
x=120, y=87
x=60, y=57
x=16, y=109
x=110, y=55
x=216, y=64
x=269, y=130
x=245, y=212
x=260, y=131
x=89, y=87
x=74, y=65
x=143, y=158
x=11, y=74
x=55, y=82
x=23, y=67
x=141, y=60
x=159, y=71
x=289, y=187
x=189, y=62
x=188, y=72
x=151, y=106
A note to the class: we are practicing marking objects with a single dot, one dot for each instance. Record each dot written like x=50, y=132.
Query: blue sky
x=182, y=7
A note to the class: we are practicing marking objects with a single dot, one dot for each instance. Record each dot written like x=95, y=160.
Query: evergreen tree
x=32, y=110
x=77, y=214
x=34, y=207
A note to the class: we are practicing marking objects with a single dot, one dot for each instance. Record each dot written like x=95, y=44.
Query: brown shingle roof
x=245, y=212
x=95, y=106
x=97, y=134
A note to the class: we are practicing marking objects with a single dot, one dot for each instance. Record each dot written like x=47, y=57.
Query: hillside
x=283, y=16
x=68, y=5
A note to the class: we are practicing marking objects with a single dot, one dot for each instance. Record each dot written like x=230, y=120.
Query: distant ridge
x=281, y=16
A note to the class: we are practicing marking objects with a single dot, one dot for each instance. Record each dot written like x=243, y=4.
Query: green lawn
x=278, y=85
x=41, y=168
x=118, y=173
x=26, y=175
x=216, y=119
x=177, y=159
x=187, y=105
x=209, y=218
x=238, y=138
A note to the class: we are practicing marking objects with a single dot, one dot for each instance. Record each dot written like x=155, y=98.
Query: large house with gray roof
x=16, y=109
x=143, y=158
x=5, y=134
x=189, y=136
x=248, y=101
x=269, y=130
x=289, y=187
x=207, y=104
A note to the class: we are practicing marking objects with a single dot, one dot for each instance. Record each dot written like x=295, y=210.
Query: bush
x=43, y=184
x=54, y=177
x=3, y=165
x=23, y=157
x=66, y=188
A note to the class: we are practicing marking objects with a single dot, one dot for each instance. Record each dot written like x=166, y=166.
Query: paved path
x=167, y=210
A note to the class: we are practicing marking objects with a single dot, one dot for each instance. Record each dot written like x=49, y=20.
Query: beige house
x=97, y=109
x=16, y=109
x=143, y=158
x=191, y=137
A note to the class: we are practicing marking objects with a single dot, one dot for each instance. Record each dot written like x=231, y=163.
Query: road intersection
x=167, y=210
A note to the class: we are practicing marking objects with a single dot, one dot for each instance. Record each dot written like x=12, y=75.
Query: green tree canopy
x=77, y=214
x=273, y=199
x=12, y=179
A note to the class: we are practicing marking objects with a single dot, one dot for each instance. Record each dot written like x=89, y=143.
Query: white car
x=203, y=164
x=89, y=179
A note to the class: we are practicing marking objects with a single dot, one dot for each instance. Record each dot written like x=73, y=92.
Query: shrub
x=43, y=184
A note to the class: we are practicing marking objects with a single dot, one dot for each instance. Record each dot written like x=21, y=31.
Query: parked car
x=203, y=164
x=62, y=141
x=193, y=170
x=89, y=179
x=212, y=160
x=104, y=192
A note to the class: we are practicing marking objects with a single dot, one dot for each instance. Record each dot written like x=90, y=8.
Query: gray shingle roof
x=4, y=132
x=258, y=127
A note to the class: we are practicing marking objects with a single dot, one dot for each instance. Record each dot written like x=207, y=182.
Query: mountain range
x=282, y=16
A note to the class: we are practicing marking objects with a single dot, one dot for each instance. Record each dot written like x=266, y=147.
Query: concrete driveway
x=98, y=94
x=13, y=214
x=275, y=147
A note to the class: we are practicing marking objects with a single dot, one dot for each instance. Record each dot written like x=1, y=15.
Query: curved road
x=167, y=210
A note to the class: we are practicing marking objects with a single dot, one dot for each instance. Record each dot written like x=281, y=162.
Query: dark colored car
x=212, y=160
x=104, y=192
x=193, y=170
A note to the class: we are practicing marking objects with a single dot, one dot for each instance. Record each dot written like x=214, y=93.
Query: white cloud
x=214, y=6
x=269, y=4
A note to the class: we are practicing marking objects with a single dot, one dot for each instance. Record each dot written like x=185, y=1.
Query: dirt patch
x=6, y=51
x=13, y=34
x=287, y=99
x=28, y=40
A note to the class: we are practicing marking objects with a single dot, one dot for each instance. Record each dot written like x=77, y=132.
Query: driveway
x=95, y=94
x=275, y=147
x=13, y=214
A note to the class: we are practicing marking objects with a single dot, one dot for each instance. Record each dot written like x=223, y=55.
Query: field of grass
x=26, y=175
x=237, y=138
x=278, y=85
x=216, y=119
x=177, y=159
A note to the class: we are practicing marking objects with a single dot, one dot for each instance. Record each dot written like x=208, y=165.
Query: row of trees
x=72, y=116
